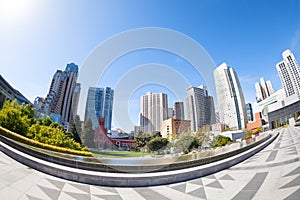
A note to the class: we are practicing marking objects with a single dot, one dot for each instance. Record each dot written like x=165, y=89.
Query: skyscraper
x=153, y=111
x=99, y=104
x=199, y=107
x=231, y=102
x=289, y=74
x=179, y=110
x=270, y=87
x=75, y=100
x=263, y=89
x=61, y=102
x=170, y=113
x=249, y=112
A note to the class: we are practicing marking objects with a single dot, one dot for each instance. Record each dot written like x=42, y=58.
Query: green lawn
x=118, y=154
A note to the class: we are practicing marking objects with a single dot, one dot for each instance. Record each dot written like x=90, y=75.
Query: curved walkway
x=273, y=173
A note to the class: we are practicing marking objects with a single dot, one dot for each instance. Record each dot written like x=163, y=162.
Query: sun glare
x=12, y=11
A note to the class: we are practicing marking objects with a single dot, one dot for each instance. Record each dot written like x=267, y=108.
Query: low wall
x=134, y=179
x=102, y=167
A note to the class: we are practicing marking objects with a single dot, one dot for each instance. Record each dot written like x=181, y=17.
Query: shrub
x=157, y=143
x=221, y=140
x=7, y=133
x=19, y=119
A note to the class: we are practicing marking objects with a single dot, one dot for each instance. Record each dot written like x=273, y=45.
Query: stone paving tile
x=149, y=194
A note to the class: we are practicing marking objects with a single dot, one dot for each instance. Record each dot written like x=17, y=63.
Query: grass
x=119, y=154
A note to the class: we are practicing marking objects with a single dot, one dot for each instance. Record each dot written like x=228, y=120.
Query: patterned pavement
x=273, y=173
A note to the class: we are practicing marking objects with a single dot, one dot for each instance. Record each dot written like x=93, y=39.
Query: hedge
x=7, y=133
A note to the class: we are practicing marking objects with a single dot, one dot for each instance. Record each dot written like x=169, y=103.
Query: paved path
x=273, y=173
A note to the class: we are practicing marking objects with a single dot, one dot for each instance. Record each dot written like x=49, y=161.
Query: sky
x=39, y=37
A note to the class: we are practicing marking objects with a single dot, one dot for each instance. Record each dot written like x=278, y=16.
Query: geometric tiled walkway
x=273, y=173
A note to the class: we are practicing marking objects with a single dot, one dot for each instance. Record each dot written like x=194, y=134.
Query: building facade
x=199, y=107
x=231, y=102
x=263, y=106
x=153, y=111
x=280, y=117
x=99, y=104
x=170, y=113
x=289, y=74
x=174, y=127
x=249, y=112
x=178, y=110
x=7, y=92
x=61, y=101
x=263, y=89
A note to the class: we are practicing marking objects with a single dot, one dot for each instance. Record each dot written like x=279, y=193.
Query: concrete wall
x=134, y=179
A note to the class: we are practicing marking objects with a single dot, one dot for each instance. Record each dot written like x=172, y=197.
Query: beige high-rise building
x=174, y=127
x=263, y=89
x=153, y=111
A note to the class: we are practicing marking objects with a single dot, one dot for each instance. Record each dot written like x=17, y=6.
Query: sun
x=14, y=10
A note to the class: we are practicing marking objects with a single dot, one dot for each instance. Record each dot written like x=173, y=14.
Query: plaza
x=273, y=173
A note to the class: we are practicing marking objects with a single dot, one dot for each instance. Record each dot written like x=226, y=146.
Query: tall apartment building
x=61, y=101
x=153, y=111
x=75, y=101
x=170, y=113
x=199, y=107
x=289, y=74
x=99, y=104
x=249, y=112
x=179, y=110
x=231, y=102
x=263, y=89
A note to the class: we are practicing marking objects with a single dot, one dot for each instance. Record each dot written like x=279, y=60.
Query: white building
x=153, y=111
x=289, y=74
x=270, y=87
x=199, y=107
x=231, y=102
x=263, y=89
x=263, y=106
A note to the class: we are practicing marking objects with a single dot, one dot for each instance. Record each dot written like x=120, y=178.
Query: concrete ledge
x=134, y=179
x=84, y=163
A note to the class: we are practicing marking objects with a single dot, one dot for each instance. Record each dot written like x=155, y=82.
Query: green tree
x=14, y=118
x=27, y=114
x=221, y=140
x=141, y=139
x=78, y=124
x=74, y=132
x=138, y=133
x=87, y=136
x=55, y=125
x=47, y=121
x=186, y=142
x=157, y=143
x=33, y=131
x=20, y=119
x=155, y=134
x=53, y=136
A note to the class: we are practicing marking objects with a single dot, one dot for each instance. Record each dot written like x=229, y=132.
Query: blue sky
x=38, y=37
